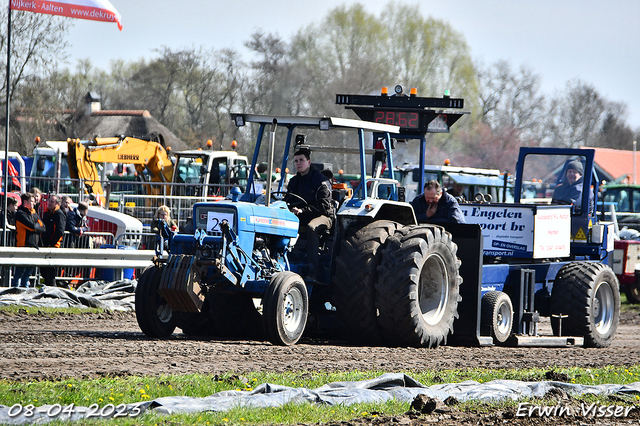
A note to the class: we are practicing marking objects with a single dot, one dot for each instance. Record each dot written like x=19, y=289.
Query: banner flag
x=95, y=10
x=13, y=173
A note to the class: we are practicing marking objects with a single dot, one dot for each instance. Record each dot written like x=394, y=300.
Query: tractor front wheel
x=285, y=308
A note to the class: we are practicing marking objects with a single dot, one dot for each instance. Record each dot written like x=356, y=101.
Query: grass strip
x=132, y=389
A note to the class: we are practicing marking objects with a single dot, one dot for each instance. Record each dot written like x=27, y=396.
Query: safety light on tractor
x=239, y=119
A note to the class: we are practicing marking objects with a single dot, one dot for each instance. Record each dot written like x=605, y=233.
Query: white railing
x=76, y=259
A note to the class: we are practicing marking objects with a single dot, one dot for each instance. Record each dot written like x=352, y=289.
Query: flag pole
x=6, y=140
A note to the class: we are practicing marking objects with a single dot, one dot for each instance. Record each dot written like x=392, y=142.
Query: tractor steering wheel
x=298, y=202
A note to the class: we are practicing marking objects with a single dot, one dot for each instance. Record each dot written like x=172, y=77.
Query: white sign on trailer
x=522, y=231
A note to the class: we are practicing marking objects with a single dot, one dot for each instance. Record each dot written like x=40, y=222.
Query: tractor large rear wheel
x=155, y=316
x=418, y=289
x=355, y=279
x=588, y=294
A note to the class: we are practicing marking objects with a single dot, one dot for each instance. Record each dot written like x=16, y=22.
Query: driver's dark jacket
x=572, y=194
x=315, y=188
x=569, y=194
x=448, y=210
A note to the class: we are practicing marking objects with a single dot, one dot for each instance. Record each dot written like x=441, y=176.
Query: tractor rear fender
x=363, y=212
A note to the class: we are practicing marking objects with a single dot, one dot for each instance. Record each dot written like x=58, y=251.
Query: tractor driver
x=569, y=190
x=318, y=213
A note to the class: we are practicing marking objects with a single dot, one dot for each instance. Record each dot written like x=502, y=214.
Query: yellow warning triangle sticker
x=580, y=235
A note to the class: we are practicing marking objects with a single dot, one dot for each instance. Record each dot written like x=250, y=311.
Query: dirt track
x=92, y=345
x=111, y=344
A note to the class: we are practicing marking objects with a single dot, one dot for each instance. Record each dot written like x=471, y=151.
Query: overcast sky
x=594, y=41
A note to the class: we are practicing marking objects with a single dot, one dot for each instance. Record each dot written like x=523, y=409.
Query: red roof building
x=618, y=163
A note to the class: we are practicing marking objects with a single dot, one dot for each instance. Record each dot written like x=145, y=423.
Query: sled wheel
x=588, y=293
x=354, y=282
x=153, y=313
x=497, y=316
x=418, y=289
x=286, y=306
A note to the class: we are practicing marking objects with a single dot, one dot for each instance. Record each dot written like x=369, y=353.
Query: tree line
x=193, y=90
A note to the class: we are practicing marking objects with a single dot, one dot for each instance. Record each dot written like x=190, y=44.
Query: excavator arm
x=84, y=155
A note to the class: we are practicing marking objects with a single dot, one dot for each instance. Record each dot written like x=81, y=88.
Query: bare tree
x=270, y=87
x=156, y=84
x=615, y=133
x=511, y=100
x=427, y=53
x=37, y=46
x=577, y=116
x=484, y=146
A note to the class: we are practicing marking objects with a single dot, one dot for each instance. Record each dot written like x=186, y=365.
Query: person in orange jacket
x=29, y=227
x=55, y=220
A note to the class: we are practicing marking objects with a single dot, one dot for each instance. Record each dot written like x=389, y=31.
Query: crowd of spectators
x=29, y=224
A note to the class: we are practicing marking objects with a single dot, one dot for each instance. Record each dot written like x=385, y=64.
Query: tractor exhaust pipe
x=272, y=145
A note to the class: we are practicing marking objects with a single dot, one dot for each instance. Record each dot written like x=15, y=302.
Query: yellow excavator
x=149, y=155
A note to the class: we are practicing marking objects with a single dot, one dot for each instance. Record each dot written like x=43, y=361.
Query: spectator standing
x=435, y=206
x=55, y=221
x=37, y=195
x=12, y=205
x=65, y=204
x=163, y=213
x=29, y=227
x=77, y=222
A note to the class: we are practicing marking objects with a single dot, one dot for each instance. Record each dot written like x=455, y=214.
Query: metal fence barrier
x=83, y=259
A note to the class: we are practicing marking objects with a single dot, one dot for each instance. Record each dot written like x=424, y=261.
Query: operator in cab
x=317, y=214
x=569, y=189
x=436, y=206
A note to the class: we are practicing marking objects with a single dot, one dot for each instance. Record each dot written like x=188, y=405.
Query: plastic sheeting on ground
x=388, y=386
x=115, y=296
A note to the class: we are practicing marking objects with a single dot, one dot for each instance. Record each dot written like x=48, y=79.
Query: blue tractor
x=240, y=272
x=388, y=280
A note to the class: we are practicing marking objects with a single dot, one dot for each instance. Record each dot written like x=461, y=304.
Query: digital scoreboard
x=414, y=115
